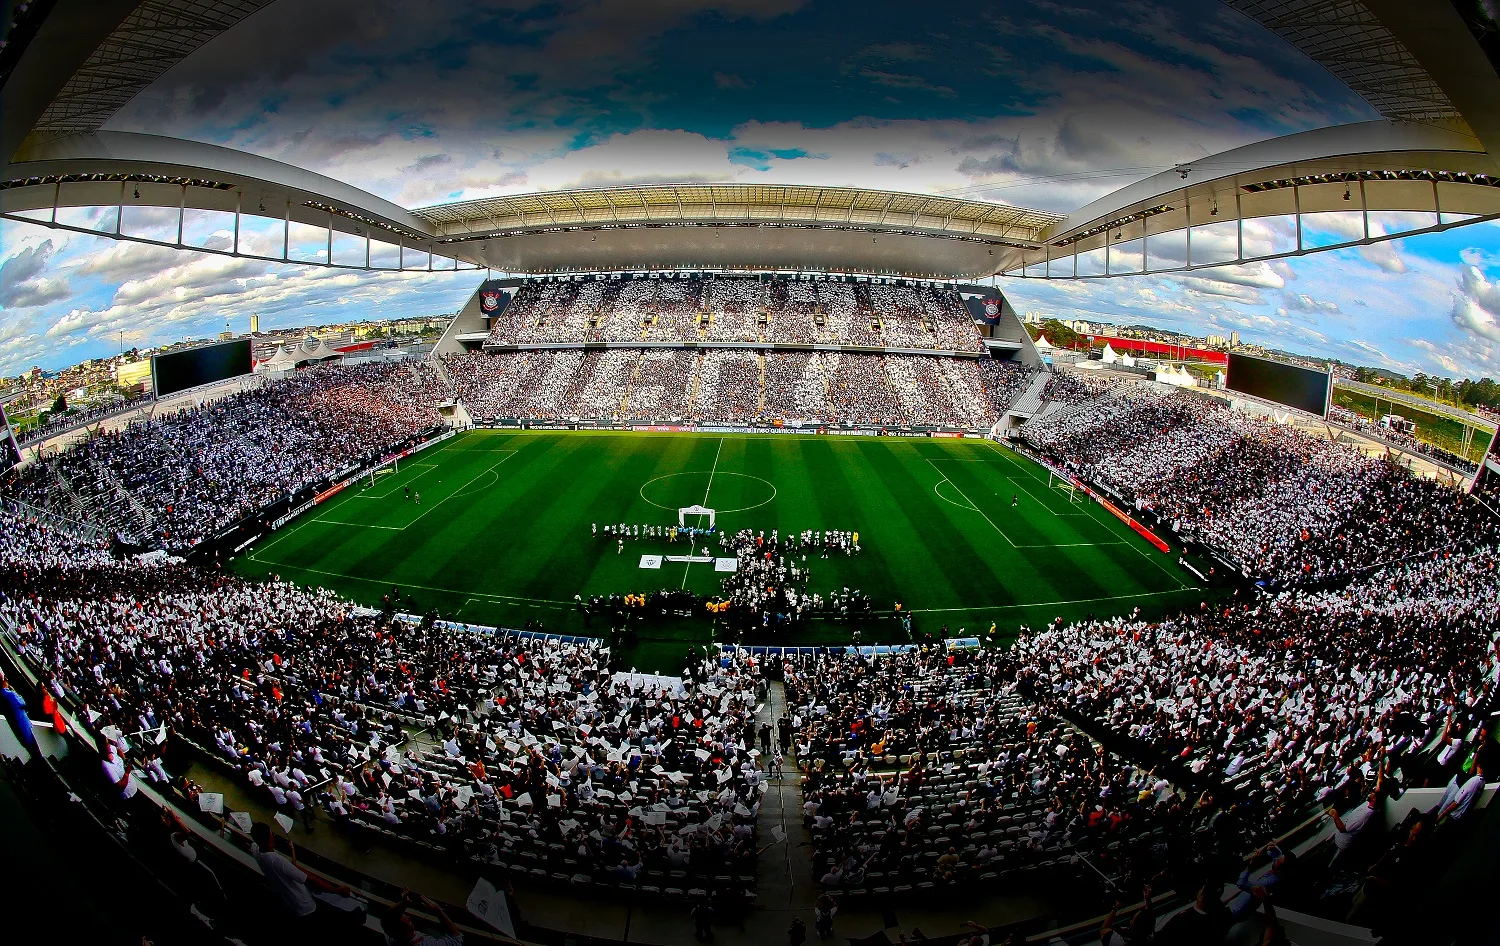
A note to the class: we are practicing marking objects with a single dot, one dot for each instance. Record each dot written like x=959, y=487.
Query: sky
x=1037, y=103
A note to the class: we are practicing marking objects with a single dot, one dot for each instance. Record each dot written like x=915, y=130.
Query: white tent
x=1127, y=360
x=1042, y=344
x=1110, y=356
x=282, y=361
x=1177, y=376
x=315, y=349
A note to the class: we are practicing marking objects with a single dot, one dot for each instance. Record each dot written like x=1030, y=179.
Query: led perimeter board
x=1305, y=389
x=180, y=370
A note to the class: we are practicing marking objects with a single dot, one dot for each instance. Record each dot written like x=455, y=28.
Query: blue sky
x=1032, y=102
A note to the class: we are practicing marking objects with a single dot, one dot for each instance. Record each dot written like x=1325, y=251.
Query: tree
x=1056, y=332
x=60, y=405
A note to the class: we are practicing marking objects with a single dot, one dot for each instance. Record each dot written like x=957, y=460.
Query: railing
x=87, y=531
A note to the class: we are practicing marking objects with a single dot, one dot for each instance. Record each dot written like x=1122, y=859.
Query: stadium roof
x=152, y=38
x=743, y=203
x=1350, y=41
x=70, y=65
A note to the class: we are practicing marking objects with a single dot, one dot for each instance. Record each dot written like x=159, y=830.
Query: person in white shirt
x=1347, y=828
x=287, y=881
x=119, y=771
x=1459, y=797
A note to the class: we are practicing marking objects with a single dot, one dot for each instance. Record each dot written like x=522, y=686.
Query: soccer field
x=963, y=532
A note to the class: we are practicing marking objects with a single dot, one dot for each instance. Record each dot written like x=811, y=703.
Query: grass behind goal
x=963, y=532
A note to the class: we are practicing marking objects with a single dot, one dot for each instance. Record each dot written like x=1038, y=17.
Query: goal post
x=394, y=466
x=1065, y=486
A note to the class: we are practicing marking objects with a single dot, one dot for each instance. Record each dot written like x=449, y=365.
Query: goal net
x=393, y=467
x=1066, y=487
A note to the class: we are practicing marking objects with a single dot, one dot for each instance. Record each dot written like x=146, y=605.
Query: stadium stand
x=737, y=309
x=1153, y=752
x=177, y=478
x=1279, y=503
x=512, y=380
x=629, y=780
x=737, y=386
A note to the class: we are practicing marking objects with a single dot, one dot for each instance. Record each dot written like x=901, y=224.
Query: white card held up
x=241, y=820
x=211, y=802
x=285, y=822
x=489, y=904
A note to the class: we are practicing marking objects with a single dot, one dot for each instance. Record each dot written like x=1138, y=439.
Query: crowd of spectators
x=1296, y=697
x=1221, y=726
x=737, y=309
x=729, y=386
x=1367, y=667
x=1217, y=729
x=1071, y=388
x=526, y=753
x=737, y=386
x=1280, y=502
x=77, y=417
x=928, y=768
x=181, y=476
x=1401, y=439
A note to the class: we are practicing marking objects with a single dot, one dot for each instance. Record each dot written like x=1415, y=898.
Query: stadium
x=738, y=559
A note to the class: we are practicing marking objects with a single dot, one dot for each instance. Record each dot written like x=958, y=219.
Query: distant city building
x=1216, y=341
x=254, y=323
x=1234, y=339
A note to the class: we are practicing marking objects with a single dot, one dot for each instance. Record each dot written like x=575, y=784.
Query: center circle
x=674, y=491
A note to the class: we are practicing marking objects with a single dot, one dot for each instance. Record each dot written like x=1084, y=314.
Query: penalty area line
x=966, y=499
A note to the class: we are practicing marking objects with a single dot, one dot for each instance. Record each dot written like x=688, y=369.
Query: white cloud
x=22, y=285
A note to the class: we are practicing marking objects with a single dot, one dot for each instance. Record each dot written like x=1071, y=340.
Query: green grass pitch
x=502, y=534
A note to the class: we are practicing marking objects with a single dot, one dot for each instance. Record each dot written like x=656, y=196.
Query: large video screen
x=1305, y=389
x=180, y=370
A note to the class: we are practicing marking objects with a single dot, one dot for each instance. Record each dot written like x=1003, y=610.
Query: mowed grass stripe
x=483, y=547
x=1032, y=562
x=1043, y=524
x=1160, y=566
x=405, y=556
x=840, y=489
x=622, y=473
x=941, y=558
x=323, y=537
x=498, y=548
